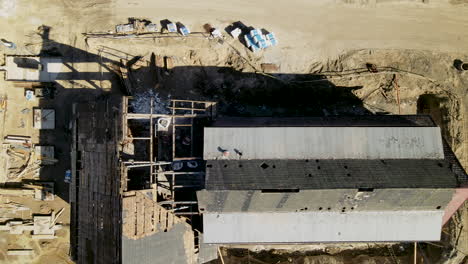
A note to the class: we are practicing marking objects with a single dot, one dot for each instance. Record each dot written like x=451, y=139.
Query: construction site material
x=256, y=40
x=43, y=191
x=29, y=95
x=40, y=225
x=171, y=27
x=68, y=176
x=137, y=26
x=236, y=32
x=44, y=118
x=20, y=252
x=163, y=124
x=16, y=192
x=8, y=44
x=17, y=139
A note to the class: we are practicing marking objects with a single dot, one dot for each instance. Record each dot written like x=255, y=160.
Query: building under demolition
x=170, y=188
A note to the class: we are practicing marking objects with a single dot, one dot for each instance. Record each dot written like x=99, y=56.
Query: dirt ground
x=323, y=48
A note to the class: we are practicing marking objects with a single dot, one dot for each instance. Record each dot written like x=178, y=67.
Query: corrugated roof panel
x=306, y=227
x=328, y=174
x=324, y=200
x=324, y=142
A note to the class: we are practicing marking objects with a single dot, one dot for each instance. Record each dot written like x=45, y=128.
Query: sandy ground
x=314, y=37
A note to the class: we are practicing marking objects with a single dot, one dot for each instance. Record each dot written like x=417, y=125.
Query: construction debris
x=43, y=191
x=144, y=217
x=137, y=26
x=42, y=227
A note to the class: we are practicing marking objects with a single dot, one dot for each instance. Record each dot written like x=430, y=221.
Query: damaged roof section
x=341, y=200
x=153, y=234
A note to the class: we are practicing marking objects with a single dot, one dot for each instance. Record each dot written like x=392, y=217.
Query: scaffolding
x=164, y=179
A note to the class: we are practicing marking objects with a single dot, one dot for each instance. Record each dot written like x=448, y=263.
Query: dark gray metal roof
x=328, y=174
x=333, y=121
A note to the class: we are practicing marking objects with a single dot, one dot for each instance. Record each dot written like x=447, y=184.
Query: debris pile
x=23, y=159
x=143, y=26
x=136, y=26
x=141, y=103
x=42, y=227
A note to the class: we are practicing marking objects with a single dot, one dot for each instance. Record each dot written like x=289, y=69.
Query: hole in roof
x=273, y=166
x=310, y=175
x=225, y=165
x=343, y=210
x=440, y=164
x=240, y=165
x=329, y=208
x=264, y=165
x=209, y=166
x=320, y=208
x=306, y=208
x=352, y=208
x=306, y=160
x=348, y=174
x=438, y=207
x=346, y=167
x=383, y=161
x=318, y=167
x=365, y=189
x=316, y=160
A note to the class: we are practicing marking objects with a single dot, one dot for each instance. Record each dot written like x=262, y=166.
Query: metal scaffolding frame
x=182, y=114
